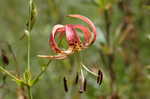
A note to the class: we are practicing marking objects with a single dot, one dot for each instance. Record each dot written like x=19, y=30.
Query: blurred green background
x=125, y=61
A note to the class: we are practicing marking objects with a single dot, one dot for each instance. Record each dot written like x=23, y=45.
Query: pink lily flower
x=73, y=39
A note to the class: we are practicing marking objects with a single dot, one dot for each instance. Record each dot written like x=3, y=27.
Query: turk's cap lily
x=70, y=32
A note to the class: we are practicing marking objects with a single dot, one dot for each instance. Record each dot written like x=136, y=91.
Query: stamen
x=81, y=89
x=65, y=85
x=82, y=82
x=83, y=86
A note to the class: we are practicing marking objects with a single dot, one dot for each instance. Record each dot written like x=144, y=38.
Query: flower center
x=77, y=46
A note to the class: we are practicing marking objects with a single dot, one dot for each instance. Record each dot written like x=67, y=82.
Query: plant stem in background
x=108, y=24
x=130, y=42
x=55, y=12
x=110, y=57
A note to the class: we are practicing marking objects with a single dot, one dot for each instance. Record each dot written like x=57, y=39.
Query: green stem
x=28, y=47
x=41, y=73
x=29, y=92
x=29, y=35
x=28, y=58
x=79, y=60
x=9, y=74
x=12, y=76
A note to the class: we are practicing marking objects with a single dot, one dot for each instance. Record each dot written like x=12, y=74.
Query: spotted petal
x=71, y=35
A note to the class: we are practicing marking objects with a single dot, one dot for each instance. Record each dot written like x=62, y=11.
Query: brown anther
x=76, y=79
x=65, y=85
x=100, y=77
x=80, y=91
x=85, y=83
x=5, y=59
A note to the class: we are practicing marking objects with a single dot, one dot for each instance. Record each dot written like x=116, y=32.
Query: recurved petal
x=62, y=55
x=89, y=22
x=59, y=56
x=56, y=29
x=85, y=30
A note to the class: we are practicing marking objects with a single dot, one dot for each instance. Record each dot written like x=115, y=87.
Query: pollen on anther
x=65, y=85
